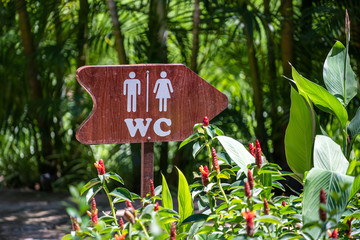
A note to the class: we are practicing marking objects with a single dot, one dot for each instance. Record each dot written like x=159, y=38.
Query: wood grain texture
x=147, y=167
x=192, y=99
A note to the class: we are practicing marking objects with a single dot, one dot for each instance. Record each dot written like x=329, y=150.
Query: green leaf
x=92, y=192
x=67, y=237
x=320, y=97
x=268, y=219
x=237, y=152
x=299, y=135
x=334, y=73
x=197, y=148
x=121, y=193
x=196, y=218
x=166, y=195
x=354, y=125
x=116, y=177
x=191, y=138
x=88, y=185
x=186, y=207
x=328, y=155
x=334, y=184
x=355, y=187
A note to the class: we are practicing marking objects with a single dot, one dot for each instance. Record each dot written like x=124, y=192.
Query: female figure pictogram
x=163, y=88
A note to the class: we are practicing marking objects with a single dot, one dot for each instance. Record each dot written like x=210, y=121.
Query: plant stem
x=111, y=204
x=267, y=227
x=144, y=229
x=210, y=157
x=222, y=191
x=210, y=203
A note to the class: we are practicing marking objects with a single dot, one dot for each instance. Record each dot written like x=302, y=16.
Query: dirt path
x=29, y=215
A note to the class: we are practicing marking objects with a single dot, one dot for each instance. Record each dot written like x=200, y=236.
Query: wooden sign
x=145, y=103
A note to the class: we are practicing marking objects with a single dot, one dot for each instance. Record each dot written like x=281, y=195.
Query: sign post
x=144, y=104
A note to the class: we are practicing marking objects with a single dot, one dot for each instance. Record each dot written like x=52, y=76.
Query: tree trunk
x=256, y=83
x=83, y=30
x=119, y=38
x=195, y=40
x=45, y=166
x=158, y=53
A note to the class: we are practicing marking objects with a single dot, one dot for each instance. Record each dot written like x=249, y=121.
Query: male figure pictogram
x=162, y=89
x=132, y=88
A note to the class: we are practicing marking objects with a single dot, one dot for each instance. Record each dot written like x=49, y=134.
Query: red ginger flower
x=94, y=212
x=206, y=121
x=266, y=207
x=258, y=158
x=250, y=179
x=333, y=234
x=247, y=190
x=152, y=189
x=173, y=232
x=283, y=203
x=100, y=167
x=156, y=208
x=249, y=217
x=252, y=149
x=204, y=175
x=74, y=223
x=129, y=205
x=122, y=237
x=322, y=212
x=215, y=160
x=121, y=223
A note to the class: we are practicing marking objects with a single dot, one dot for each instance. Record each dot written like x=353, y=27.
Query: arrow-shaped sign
x=145, y=103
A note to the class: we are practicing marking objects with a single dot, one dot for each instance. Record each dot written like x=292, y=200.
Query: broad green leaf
x=121, y=193
x=67, y=237
x=186, y=207
x=354, y=125
x=89, y=184
x=191, y=138
x=334, y=184
x=328, y=155
x=320, y=97
x=196, y=218
x=355, y=187
x=334, y=73
x=299, y=135
x=237, y=152
x=197, y=148
x=116, y=177
x=268, y=219
x=166, y=195
x=92, y=192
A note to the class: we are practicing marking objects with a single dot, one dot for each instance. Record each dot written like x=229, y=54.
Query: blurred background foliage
x=242, y=47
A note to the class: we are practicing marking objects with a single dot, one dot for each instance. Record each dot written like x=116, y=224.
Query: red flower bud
x=252, y=149
x=266, y=207
x=206, y=121
x=100, y=167
x=258, y=158
x=121, y=223
x=152, y=189
x=215, y=160
x=94, y=212
x=247, y=190
x=333, y=234
x=173, y=232
x=122, y=237
x=249, y=217
x=283, y=203
x=74, y=223
x=129, y=205
x=348, y=231
x=156, y=208
x=204, y=175
x=322, y=212
x=250, y=179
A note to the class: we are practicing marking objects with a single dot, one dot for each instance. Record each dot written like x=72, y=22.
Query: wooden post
x=147, y=167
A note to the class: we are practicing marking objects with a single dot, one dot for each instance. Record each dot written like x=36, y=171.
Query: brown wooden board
x=170, y=99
